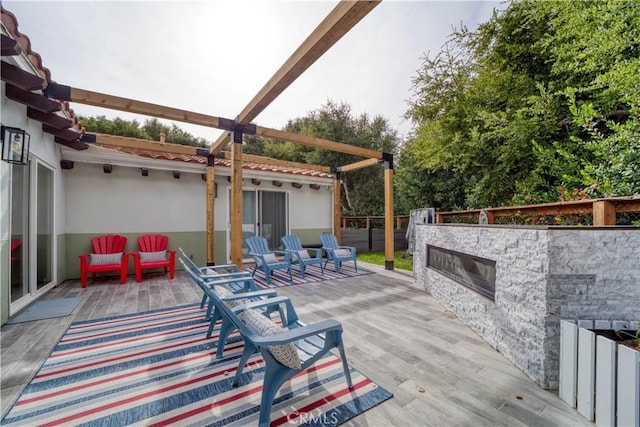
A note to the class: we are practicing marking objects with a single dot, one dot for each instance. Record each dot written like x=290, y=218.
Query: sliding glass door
x=32, y=231
x=273, y=217
x=266, y=214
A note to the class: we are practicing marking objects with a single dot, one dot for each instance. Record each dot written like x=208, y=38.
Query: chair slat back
x=217, y=302
x=292, y=243
x=108, y=244
x=258, y=245
x=186, y=259
x=153, y=242
x=329, y=241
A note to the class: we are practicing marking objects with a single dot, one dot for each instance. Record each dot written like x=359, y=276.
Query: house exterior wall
x=127, y=203
x=543, y=274
x=312, y=214
x=43, y=150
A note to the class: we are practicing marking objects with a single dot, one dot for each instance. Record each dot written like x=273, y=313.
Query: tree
x=151, y=130
x=362, y=194
x=539, y=103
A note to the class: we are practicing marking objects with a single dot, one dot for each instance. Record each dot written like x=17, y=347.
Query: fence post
x=604, y=213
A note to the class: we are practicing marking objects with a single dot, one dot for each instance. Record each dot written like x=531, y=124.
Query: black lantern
x=15, y=145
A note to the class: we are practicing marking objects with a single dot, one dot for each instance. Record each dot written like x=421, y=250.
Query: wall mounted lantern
x=15, y=145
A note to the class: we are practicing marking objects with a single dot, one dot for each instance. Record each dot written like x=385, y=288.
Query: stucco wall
x=124, y=202
x=542, y=275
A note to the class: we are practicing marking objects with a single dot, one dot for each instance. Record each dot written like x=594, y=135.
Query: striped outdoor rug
x=313, y=273
x=158, y=368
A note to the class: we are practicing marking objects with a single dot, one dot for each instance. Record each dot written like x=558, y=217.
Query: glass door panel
x=249, y=217
x=44, y=227
x=19, y=245
x=273, y=217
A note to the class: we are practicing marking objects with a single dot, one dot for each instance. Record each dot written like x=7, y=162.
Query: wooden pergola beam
x=143, y=144
x=338, y=22
x=252, y=158
x=97, y=99
x=318, y=142
x=359, y=165
x=82, y=96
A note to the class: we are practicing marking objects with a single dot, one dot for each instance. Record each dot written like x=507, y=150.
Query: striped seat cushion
x=105, y=259
x=153, y=256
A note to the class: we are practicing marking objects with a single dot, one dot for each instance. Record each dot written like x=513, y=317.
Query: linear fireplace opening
x=476, y=273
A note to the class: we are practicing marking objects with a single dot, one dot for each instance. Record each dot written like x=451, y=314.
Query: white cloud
x=212, y=57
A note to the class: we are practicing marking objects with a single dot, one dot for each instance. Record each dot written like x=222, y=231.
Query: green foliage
x=363, y=189
x=150, y=130
x=539, y=104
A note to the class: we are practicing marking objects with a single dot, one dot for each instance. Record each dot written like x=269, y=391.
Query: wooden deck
x=440, y=372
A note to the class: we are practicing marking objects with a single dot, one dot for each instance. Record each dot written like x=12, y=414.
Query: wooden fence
x=366, y=233
x=600, y=212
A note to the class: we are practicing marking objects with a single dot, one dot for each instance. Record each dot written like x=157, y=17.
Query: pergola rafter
x=166, y=147
x=340, y=20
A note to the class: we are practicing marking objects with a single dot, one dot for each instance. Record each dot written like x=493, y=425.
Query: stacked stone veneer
x=543, y=274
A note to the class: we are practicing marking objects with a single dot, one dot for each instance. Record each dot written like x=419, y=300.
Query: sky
x=212, y=57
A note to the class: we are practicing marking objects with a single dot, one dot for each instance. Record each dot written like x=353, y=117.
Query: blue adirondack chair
x=301, y=255
x=221, y=287
x=228, y=275
x=311, y=342
x=265, y=258
x=336, y=253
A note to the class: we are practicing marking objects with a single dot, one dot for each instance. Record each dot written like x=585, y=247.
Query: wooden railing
x=599, y=212
x=366, y=222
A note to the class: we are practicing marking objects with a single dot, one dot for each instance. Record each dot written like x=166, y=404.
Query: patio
x=440, y=372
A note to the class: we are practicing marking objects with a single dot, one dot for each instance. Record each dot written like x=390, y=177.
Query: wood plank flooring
x=440, y=372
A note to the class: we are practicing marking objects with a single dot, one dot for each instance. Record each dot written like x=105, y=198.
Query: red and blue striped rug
x=158, y=368
x=313, y=273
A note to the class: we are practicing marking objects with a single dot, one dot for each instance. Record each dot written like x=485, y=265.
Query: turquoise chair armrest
x=239, y=275
x=292, y=335
x=254, y=294
x=222, y=266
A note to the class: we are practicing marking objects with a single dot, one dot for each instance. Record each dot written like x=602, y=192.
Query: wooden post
x=491, y=218
x=604, y=213
x=211, y=255
x=236, y=199
x=398, y=223
x=388, y=212
x=337, y=182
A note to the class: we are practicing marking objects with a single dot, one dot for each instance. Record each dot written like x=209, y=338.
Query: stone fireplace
x=541, y=275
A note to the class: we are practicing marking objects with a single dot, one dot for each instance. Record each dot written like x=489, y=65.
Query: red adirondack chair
x=154, y=254
x=108, y=255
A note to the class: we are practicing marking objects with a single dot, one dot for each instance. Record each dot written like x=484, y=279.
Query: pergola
x=340, y=20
